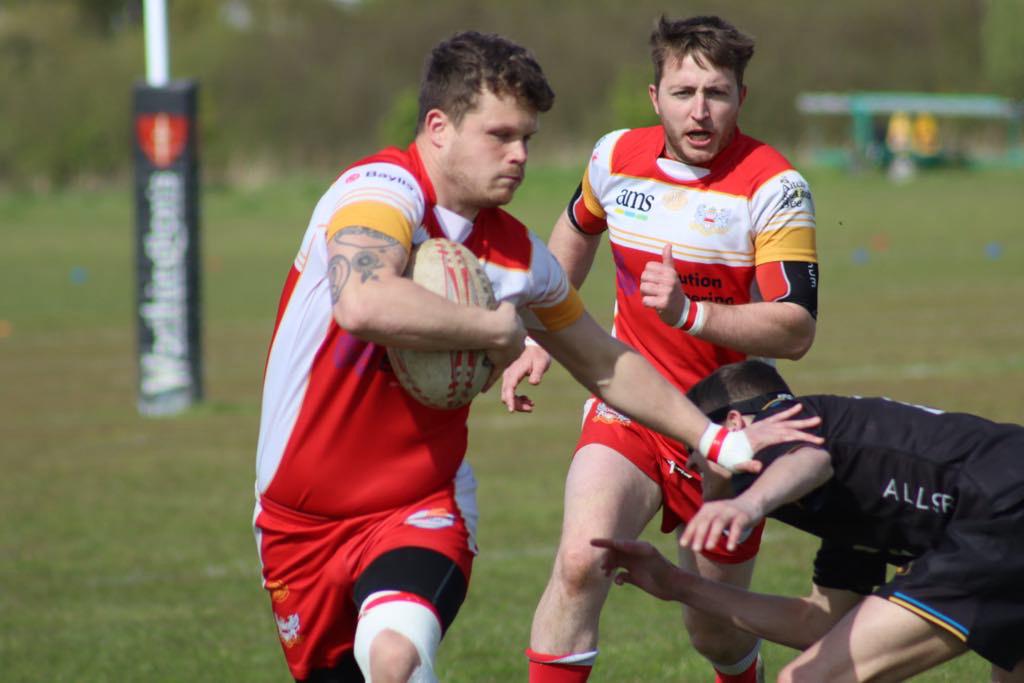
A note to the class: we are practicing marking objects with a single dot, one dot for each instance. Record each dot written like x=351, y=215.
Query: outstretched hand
x=531, y=365
x=644, y=566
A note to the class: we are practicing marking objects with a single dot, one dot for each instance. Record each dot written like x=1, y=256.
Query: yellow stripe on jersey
x=377, y=215
x=590, y=200
x=786, y=244
x=562, y=314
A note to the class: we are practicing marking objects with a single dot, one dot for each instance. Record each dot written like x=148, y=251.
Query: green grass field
x=126, y=552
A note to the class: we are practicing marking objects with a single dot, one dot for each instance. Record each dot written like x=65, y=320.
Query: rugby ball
x=445, y=379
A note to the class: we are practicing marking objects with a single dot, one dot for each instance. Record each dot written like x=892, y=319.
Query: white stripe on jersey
x=654, y=244
x=301, y=332
x=378, y=181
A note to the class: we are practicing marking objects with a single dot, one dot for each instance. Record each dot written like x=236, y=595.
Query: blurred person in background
x=939, y=495
x=366, y=509
x=713, y=238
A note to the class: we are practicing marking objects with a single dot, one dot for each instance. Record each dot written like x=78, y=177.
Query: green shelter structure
x=894, y=127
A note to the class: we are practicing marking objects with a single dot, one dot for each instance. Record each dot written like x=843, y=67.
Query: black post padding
x=167, y=247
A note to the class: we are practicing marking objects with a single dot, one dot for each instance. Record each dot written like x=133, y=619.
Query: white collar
x=681, y=171
x=455, y=227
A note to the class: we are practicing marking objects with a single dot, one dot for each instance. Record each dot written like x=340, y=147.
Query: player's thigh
x=606, y=495
x=737, y=573
x=876, y=641
x=417, y=571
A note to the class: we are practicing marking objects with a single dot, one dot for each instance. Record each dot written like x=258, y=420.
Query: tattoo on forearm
x=338, y=270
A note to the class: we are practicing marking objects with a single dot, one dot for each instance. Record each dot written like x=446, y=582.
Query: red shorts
x=663, y=460
x=311, y=564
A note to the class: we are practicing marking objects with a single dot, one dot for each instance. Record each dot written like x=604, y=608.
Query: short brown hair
x=735, y=383
x=459, y=69
x=705, y=37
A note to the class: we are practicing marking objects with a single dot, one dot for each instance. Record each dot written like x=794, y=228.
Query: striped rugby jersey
x=338, y=434
x=731, y=226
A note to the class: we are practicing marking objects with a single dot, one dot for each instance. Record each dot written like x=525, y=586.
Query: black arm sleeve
x=570, y=210
x=803, y=280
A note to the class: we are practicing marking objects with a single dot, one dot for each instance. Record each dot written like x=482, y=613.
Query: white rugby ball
x=445, y=379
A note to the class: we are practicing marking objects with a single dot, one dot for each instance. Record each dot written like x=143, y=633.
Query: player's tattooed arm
x=338, y=269
x=363, y=250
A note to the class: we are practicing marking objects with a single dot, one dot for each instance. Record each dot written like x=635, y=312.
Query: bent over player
x=940, y=495
x=365, y=507
x=712, y=235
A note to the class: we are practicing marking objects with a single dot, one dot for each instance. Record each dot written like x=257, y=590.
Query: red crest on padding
x=162, y=137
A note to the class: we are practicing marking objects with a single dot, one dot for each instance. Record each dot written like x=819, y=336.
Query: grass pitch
x=126, y=551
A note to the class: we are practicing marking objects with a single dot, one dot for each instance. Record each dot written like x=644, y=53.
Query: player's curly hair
x=459, y=69
x=734, y=383
x=704, y=37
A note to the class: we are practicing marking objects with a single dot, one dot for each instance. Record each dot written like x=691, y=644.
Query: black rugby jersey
x=901, y=472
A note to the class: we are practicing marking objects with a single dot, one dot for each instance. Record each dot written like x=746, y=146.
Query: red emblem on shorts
x=162, y=137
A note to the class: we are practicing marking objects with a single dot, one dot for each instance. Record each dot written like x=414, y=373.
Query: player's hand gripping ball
x=445, y=379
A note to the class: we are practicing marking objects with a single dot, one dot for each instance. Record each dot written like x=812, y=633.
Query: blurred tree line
x=314, y=83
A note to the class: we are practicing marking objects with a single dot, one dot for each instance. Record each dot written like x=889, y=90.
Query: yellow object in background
x=926, y=135
x=899, y=134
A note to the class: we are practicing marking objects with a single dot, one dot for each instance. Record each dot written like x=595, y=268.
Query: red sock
x=569, y=668
x=748, y=675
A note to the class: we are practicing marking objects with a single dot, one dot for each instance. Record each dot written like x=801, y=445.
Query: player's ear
x=734, y=421
x=436, y=125
x=652, y=92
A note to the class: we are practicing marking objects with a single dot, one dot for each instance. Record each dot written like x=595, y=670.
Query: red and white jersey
x=730, y=226
x=338, y=435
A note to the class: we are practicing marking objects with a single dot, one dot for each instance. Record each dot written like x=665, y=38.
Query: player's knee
x=716, y=639
x=393, y=657
x=578, y=569
x=397, y=638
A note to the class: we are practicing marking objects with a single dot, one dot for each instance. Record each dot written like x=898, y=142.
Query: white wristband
x=725, y=447
x=692, y=318
x=530, y=341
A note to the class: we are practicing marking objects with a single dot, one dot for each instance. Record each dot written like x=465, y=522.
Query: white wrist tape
x=693, y=316
x=530, y=341
x=724, y=447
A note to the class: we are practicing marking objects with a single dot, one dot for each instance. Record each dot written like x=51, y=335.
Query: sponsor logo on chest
x=709, y=219
x=633, y=203
x=709, y=214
